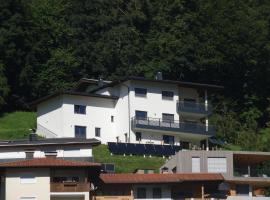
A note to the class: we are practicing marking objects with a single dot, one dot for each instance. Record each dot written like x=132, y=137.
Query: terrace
x=172, y=126
x=194, y=108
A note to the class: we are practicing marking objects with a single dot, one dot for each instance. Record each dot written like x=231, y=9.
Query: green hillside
x=16, y=125
x=126, y=164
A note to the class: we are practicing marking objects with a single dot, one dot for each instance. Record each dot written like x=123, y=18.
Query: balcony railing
x=245, y=172
x=172, y=125
x=70, y=187
x=193, y=107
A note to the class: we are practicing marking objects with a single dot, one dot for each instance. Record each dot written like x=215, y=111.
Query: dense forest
x=48, y=45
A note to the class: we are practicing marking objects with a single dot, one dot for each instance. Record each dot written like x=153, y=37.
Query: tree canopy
x=47, y=45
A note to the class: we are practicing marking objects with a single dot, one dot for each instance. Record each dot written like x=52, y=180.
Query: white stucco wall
x=15, y=189
x=61, y=153
x=98, y=114
x=50, y=116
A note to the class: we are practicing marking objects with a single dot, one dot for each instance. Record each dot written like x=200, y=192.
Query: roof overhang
x=250, y=158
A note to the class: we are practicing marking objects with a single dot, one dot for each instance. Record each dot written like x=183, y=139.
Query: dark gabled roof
x=47, y=162
x=49, y=142
x=38, y=101
x=88, y=81
x=159, y=178
x=180, y=83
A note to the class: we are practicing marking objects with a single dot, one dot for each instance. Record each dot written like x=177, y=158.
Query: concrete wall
x=15, y=189
x=183, y=161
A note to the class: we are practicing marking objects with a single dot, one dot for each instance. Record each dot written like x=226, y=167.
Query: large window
x=141, y=92
x=141, y=193
x=138, y=136
x=196, y=164
x=242, y=190
x=80, y=131
x=141, y=114
x=167, y=117
x=157, y=193
x=168, y=139
x=167, y=95
x=79, y=109
x=97, y=132
x=27, y=179
x=217, y=165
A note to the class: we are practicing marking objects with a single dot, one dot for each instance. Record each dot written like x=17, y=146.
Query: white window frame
x=220, y=164
x=196, y=164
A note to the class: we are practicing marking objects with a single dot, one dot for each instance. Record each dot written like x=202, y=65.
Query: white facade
x=114, y=117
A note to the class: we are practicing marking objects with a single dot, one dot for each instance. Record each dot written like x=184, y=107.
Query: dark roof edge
x=38, y=101
x=180, y=83
x=43, y=142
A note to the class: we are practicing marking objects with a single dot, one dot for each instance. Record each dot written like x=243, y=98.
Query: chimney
x=100, y=82
x=33, y=137
x=159, y=76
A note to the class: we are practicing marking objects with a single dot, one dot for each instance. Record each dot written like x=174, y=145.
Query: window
x=79, y=109
x=167, y=95
x=141, y=193
x=27, y=179
x=141, y=115
x=156, y=193
x=242, y=190
x=112, y=118
x=141, y=92
x=217, y=165
x=97, y=132
x=107, y=167
x=167, y=117
x=185, y=145
x=168, y=139
x=80, y=131
x=196, y=164
x=138, y=136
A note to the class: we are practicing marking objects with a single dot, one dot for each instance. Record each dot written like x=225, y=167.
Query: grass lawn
x=126, y=164
x=16, y=125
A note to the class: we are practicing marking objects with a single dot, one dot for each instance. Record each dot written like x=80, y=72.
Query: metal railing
x=245, y=172
x=193, y=107
x=172, y=125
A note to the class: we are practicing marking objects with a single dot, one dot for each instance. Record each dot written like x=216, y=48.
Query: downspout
x=129, y=125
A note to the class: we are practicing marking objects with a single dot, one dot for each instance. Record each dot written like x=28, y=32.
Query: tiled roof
x=47, y=162
x=159, y=178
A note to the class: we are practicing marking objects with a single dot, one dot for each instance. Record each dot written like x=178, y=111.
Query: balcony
x=194, y=108
x=174, y=126
x=70, y=187
x=251, y=172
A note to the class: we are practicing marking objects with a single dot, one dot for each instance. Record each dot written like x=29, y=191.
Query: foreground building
x=34, y=147
x=159, y=186
x=131, y=110
x=242, y=171
x=47, y=179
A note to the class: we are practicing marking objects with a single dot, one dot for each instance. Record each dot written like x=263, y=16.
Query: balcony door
x=141, y=115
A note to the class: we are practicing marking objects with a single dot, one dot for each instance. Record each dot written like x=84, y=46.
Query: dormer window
x=140, y=92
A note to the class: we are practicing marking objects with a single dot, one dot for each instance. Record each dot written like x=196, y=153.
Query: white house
x=131, y=110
